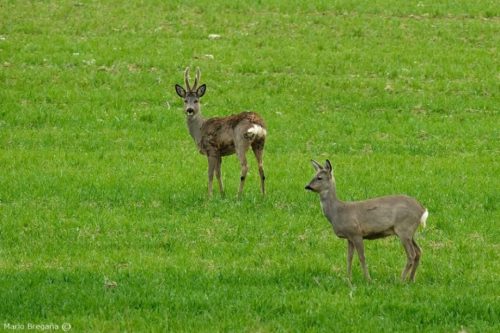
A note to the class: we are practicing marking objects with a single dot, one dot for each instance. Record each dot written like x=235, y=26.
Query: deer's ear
x=201, y=90
x=316, y=165
x=180, y=91
x=328, y=166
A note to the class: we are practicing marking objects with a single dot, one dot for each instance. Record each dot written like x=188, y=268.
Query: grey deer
x=370, y=219
x=221, y=136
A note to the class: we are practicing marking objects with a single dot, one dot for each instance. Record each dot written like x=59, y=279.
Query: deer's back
x=220, y=133
x=376, y=218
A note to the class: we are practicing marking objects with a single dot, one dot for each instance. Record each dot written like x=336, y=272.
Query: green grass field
x=104, y=219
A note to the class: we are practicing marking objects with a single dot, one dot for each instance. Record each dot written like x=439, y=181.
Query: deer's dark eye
x=185, y=101
x=319, y=178
x=195, y=101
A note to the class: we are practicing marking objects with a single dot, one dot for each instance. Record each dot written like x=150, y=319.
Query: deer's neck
x=194, y=125
x=330, y=204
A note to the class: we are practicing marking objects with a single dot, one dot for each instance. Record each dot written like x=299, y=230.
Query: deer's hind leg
x=258, y=150
x=416, y=261
x=410, y=255
x=241, y=150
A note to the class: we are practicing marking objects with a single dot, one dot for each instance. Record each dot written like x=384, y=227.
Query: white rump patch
x=424, y=217
x=257, y=130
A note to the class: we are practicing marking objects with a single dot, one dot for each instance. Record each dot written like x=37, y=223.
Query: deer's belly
x=215, y=145
x=225, y=150
x=380, y=234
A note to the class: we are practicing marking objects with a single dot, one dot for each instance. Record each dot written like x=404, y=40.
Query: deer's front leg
x=218, y=174
x=358, y=244
x=212, y=163
x=350, y=253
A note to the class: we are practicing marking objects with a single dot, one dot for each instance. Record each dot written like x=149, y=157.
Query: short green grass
x=105, y=223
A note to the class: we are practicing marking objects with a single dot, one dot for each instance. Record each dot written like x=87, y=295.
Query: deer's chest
x=344, y=225
x=339, y=233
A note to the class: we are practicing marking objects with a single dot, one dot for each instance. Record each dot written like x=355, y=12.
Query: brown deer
x=370, y=219
x=221, y=136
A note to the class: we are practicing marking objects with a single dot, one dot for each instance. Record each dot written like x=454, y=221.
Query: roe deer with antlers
x=370, y=219
x=221, y=136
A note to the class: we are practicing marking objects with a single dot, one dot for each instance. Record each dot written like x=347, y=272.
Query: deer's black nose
x=190, y=110
x=308, y=187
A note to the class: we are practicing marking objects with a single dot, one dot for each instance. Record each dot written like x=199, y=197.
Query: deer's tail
x=423, y=219
x=256, y=131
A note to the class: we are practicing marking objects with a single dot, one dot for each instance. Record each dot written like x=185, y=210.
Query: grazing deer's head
x=323, y=179
x=191, y=95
